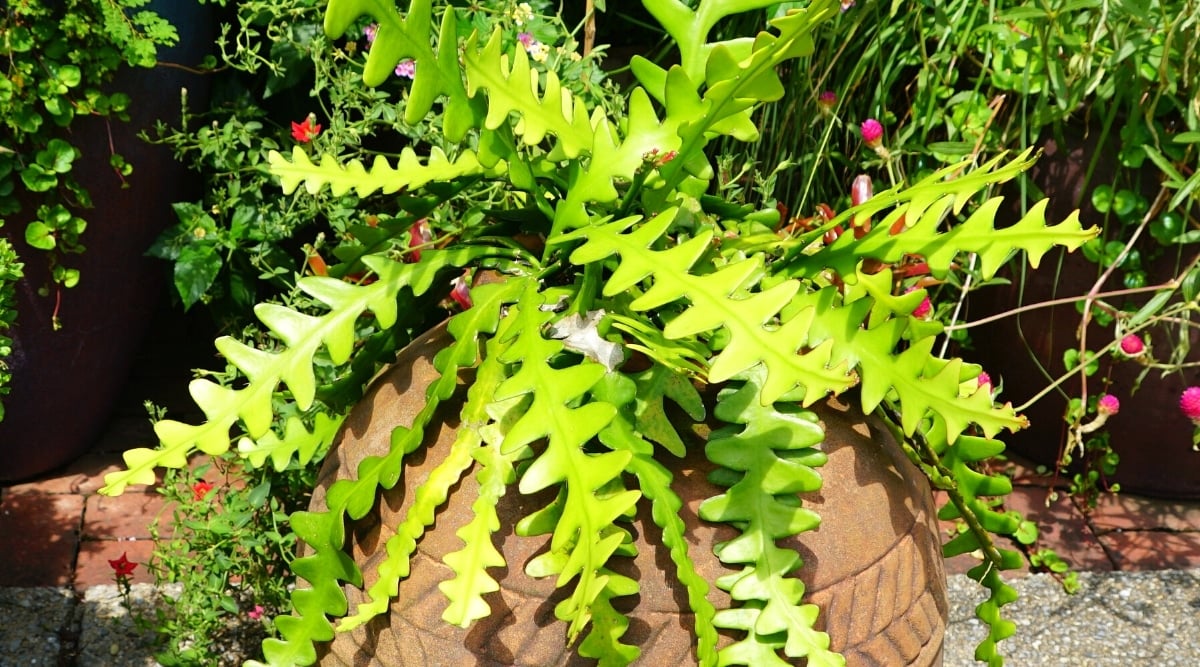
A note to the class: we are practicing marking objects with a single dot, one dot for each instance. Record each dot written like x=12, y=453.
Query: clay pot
x=874, y=566
x=65, y=382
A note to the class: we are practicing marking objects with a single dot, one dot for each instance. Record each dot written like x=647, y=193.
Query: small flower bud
x=1133, y=345
x=984, y=380
x=872, y=132
x=826, y=101
x=1108, y=405
x=1189, y=404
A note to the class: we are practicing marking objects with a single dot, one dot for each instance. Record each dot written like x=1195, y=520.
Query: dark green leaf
x=195, y=271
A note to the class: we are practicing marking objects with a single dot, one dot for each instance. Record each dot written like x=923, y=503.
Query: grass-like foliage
x=633, y=256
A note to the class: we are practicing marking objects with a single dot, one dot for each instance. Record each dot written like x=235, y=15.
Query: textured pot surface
x=65, y=382
x=874, y=566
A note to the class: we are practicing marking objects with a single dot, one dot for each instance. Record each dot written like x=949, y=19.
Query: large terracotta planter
x=65, y=382
x=874, y=566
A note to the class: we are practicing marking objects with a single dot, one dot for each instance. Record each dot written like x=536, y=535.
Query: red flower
x=306, y=131
x=122, y=567
x=200, y=490
x=420, y=236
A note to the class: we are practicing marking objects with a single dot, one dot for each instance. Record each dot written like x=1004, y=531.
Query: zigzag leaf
x=631, y=396
x=433, y=492
x=584, y=536
x=297, y=442
x=913, y=226
x=471, y=581
x=762, y=505
x=409, y=173
x=304, y=335
x=717, y=300
x=952, y=468
x=324, y=532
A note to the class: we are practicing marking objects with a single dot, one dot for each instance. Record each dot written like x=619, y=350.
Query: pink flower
x=872, y=132
x=1133, y=345
x=1108, y=405
x=407, y=68
x=255, y=613
x=1189, y=403
x=306, y=131
x=861, y=189
x=526, y=39
x=369, y=32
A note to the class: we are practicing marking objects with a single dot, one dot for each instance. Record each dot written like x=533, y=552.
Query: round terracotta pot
x=874, y=566
x=65, y=382
x=1150, y=434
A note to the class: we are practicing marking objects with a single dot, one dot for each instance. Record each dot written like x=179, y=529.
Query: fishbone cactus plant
x=634, y=254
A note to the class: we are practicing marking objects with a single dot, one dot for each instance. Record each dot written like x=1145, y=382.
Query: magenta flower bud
x=1108, y=405
x=872, y=133
x=1133, y=345
x=1189, y=404
x=983, y=380
x=826, y=101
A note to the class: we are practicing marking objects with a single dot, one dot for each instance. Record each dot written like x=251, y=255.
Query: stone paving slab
x=1117, y=619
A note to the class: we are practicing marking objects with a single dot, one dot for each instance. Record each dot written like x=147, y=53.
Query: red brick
x=124, y=517
x=40, y=534
x=1023, y=472
x=93, y=567
x=1061, y=527
x=1127, y=512
x=1153, y=549
x=83, y=475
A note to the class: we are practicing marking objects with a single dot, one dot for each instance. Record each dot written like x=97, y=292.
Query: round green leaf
x=1102, y=198
x=1167, y=227
x=69, y=75
x=37, y=178
x=1124, y=202
x=40, y=236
